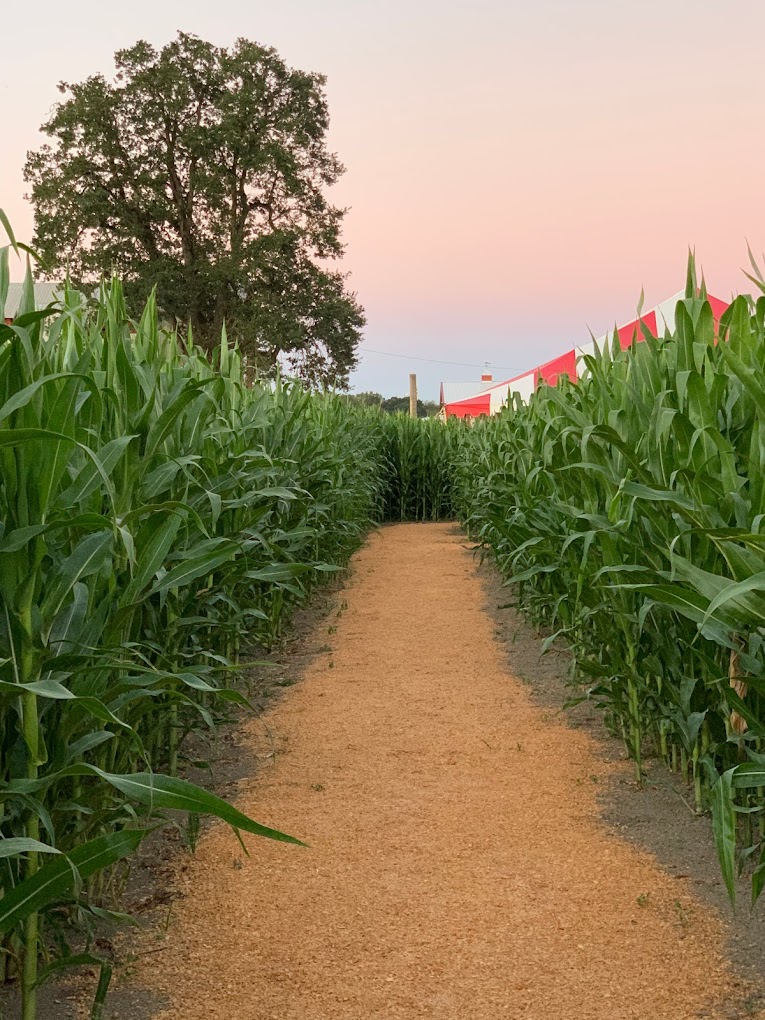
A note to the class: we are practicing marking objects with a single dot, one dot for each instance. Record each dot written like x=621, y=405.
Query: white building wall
x=524, y=386
x=665, y=313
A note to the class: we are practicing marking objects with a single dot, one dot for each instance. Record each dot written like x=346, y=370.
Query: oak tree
x=203, y=171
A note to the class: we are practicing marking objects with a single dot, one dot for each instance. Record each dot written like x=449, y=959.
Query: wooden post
x=412, y=395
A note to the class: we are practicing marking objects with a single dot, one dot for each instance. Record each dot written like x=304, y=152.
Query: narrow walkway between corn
x=457, y=867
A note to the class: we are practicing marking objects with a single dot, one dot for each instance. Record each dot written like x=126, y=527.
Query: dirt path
x=458, y=868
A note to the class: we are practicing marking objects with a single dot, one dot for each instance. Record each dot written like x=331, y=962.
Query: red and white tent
x=490, y=400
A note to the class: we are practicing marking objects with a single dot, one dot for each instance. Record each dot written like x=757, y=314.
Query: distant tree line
x=392, y=405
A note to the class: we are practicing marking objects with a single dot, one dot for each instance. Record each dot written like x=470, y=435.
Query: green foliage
x=201, y=171
x=400, y=405
x=393, y=405
x=368, y=398
x=430, y=407
x=420, y=454
x=627, y=510
x=158, y=518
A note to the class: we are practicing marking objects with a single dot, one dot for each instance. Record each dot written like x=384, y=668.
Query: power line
x=437, y=361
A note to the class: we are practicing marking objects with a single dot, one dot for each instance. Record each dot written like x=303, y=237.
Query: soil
x=474, y=852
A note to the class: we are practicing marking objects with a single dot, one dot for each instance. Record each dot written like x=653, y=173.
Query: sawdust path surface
x=457, y=868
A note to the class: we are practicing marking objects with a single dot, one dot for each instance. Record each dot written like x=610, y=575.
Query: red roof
x=551, y=371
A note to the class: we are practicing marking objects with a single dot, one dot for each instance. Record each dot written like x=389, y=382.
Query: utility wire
x=436, y=361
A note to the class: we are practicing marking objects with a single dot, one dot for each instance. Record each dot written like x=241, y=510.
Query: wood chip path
x=458, y=868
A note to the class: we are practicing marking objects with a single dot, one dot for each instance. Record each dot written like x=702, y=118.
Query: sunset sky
x=516, y=170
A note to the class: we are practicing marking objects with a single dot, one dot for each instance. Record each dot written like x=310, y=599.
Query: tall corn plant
x=156, y=515
x=419, y=456
x=627, y=510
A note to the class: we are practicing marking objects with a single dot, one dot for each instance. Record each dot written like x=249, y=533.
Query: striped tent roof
x=454, y=391
x=491, y=399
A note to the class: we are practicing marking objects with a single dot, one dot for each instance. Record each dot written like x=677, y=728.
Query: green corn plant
x=419, y=453
x=160, y=518
x=627, y=512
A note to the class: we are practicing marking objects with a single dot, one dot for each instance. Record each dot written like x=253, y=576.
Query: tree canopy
x=393, y=405
x=367, y=398
x=202, y=171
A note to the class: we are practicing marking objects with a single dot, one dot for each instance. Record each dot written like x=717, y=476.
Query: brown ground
x=458, y=865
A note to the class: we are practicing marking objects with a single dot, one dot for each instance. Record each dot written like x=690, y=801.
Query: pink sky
x=516, y=171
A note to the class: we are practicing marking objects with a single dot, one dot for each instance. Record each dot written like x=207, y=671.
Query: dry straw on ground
x=458, y=868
